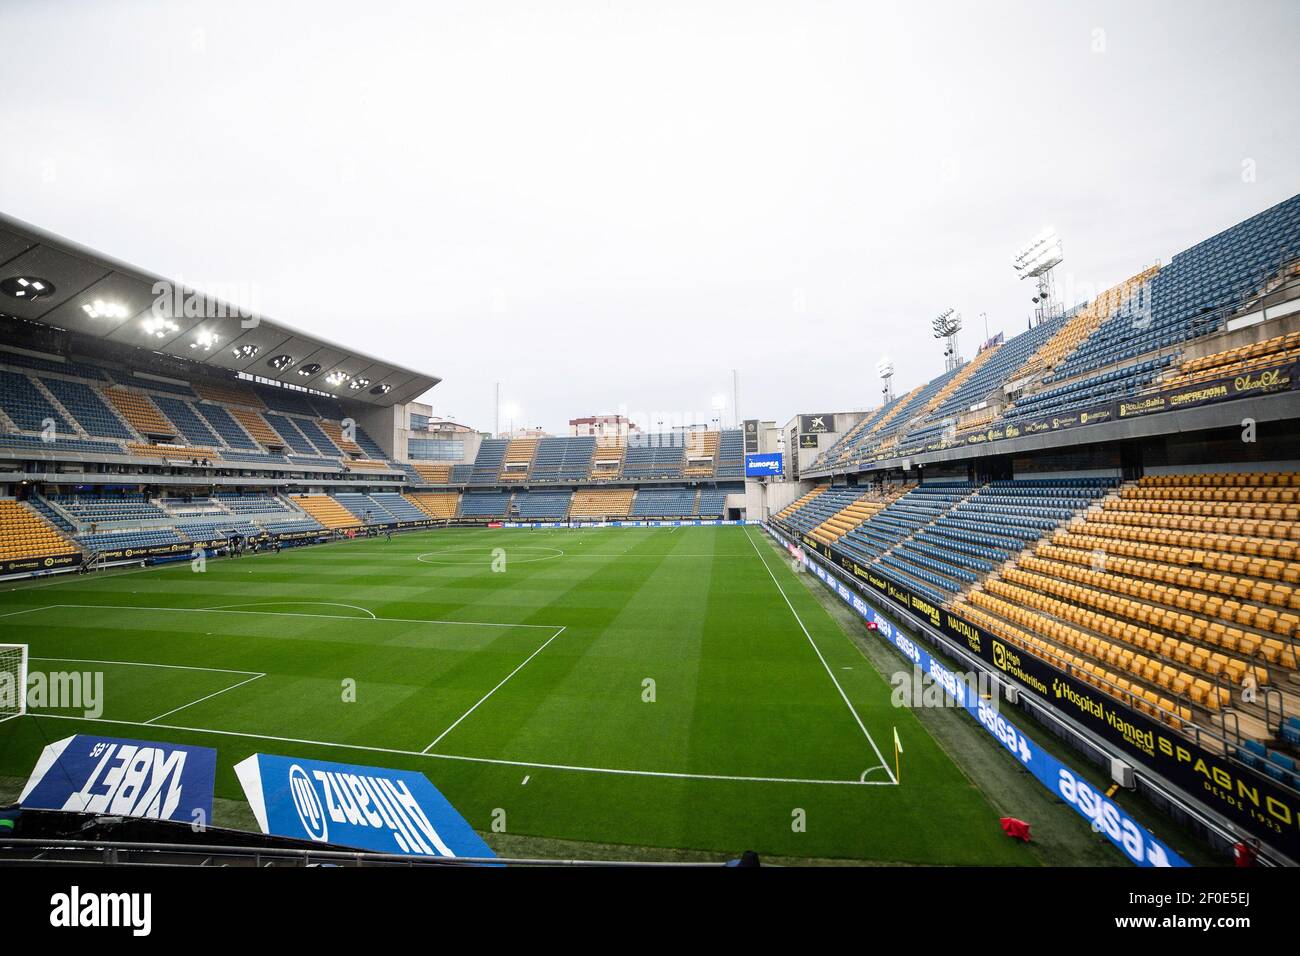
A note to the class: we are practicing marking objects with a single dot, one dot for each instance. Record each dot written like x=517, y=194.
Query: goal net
x=13, y=681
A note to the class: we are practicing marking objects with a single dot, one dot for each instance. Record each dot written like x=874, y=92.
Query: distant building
x=602, y=426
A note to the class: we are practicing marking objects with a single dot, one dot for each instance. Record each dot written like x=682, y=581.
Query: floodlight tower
x=946, y=326
x=1036, y=260
x=885, y=369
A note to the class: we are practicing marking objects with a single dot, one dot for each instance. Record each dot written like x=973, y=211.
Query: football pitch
x=661, y=688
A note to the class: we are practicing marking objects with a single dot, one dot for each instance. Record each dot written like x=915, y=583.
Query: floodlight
x=157, y=326
x=1040, y=254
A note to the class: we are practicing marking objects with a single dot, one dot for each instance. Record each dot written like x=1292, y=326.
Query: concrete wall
x=762, y=500
x=1249, y=335
x=797, y=459
x=385, y=425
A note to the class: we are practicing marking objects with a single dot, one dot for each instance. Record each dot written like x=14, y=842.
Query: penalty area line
x=223, y=690
x=457, y=721
x=494, y=761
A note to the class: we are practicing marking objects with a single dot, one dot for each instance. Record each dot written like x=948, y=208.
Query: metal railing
x=59, y=851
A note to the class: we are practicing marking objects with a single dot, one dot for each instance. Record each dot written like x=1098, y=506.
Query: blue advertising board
x=764, y=465
x=1107, y=817
x=370, y=808
x=132, y=778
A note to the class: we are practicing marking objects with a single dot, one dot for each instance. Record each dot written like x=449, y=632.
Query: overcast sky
x=610, y=205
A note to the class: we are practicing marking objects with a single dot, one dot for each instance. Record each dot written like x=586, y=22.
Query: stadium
x=1031, y=599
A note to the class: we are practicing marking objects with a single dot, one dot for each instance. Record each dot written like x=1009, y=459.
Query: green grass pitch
x=645, y=687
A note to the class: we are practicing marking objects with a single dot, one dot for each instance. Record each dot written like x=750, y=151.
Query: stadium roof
x=50, y=280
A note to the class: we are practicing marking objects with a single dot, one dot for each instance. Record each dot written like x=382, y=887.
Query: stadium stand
x=731, y=454
x=313, y=433
x=25, y=406
x=327, y=511
x=105, y=508
x=228, y=393
x=713, y=501
x=87, y=408
x=369, y=447
x=701, y=454
x=664, y=503
x=397, y=506
x=334, y=431
x=187, y=421
x=548, y=458
x=607, y=456
x=1185, y=299
x=24, y=361
x=577, y=461
x=256, y=426
x=286, y=428
x=487, y=466
x=139, y=539
x=433, y=474
x=541, y=505
x=857, y=511
x=820, y=508
x=285, y=400
x=221, y=422
x=24, y=534
x=172, y=453
x=802, y=501
x=1241, y=360
x=1123, y=343
x=442, y=505
x=140, y=413
x=364, y=507
x=652, y=460
x=517, y=457
x=485, y=504
x=597, y=503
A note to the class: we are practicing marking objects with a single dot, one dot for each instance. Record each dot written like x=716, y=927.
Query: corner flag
x=898, y=749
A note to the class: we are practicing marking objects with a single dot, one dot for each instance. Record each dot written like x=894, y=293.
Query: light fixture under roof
x=99, y=309
x=380, y=389
x=358, y=383
x=246, y=351
x=311, y=368
x=159, y=327
x=336, y=378
x=206, y=341
x=26, y=287
x=280, y=362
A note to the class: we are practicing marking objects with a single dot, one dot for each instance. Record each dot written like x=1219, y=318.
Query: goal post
x=13, y=681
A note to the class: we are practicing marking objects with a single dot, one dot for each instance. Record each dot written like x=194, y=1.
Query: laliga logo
x=306, y=801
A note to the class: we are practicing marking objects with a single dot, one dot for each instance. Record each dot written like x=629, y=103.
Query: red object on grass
x=1015, y=828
